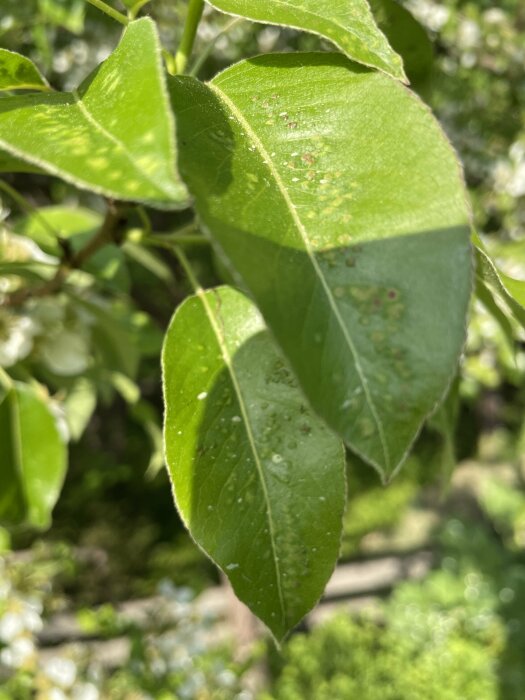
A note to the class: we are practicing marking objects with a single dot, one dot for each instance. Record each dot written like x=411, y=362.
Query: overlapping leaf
x=337, y=199
x=115, y=135
x=257, y=478
x=509, y=291
x=32, y=458
x=349, y=24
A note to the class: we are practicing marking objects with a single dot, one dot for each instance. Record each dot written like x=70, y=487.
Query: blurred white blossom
x=432, y=14
x=16, y=337
x=60, y=671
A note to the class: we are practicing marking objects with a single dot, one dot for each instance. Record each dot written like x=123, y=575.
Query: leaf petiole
x=5, y=380
x=110, y=11
x=195, y=10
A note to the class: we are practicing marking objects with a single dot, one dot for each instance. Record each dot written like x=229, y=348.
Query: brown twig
x=107, y=233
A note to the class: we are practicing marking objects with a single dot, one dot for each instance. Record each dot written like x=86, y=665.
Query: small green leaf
x=508, y=290
x=349, y=24
x=33, y=458
x=19, y=73
x=346, y=218
x=258, y=479
x=47, y=225
x=114, y=135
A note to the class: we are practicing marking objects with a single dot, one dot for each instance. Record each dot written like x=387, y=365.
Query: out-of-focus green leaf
x=64, y=13
x=33, y=458
x=349, y=226
x=114, y=135
x=19, y=73
x=508, y=290
x=349, y=24
x=79, y=405
x=47, y=226
x=258, y=479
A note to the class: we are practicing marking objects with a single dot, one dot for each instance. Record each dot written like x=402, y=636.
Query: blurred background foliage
x=91, y=354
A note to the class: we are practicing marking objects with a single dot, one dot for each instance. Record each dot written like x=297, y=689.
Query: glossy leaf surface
x=19, y=73
x=32, y=458
x=114, y=135
x=258, y=480
x=349, y=24
x=345, y=217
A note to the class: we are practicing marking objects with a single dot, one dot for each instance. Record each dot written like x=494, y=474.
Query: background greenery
x=115, y=535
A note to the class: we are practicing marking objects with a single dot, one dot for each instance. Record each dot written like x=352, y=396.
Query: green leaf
x=349, y=24
x=48, y=225
x=258, y=480
x=33, y=458
x=64, y=13
x=79, y=405
x=508, y=290
x=19, y=73
x=407, y=37
x=113, y=136
x=10, y=164
x=345, y=217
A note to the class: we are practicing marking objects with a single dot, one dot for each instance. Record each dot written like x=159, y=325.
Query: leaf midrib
x=348, y=30
x=268, y=162
x=251, y=439
x=117, y=142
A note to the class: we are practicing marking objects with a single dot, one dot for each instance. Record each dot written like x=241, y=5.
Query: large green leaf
x=349, y=24
x=19, y=73
x=114, y=136
x=32, y=458
x=336, y=197
x=257, y=478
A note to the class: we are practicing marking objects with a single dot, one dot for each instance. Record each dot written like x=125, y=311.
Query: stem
x=104, y=236
x=193, y=18
x=114, y=14
x=170, y=240
x=5, y=380
x=137, y=7
x=186, y=266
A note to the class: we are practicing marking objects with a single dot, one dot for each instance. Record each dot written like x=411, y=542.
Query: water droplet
x=202, y=395
x=236, y=419
x=277, y=458
x=232, y=566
